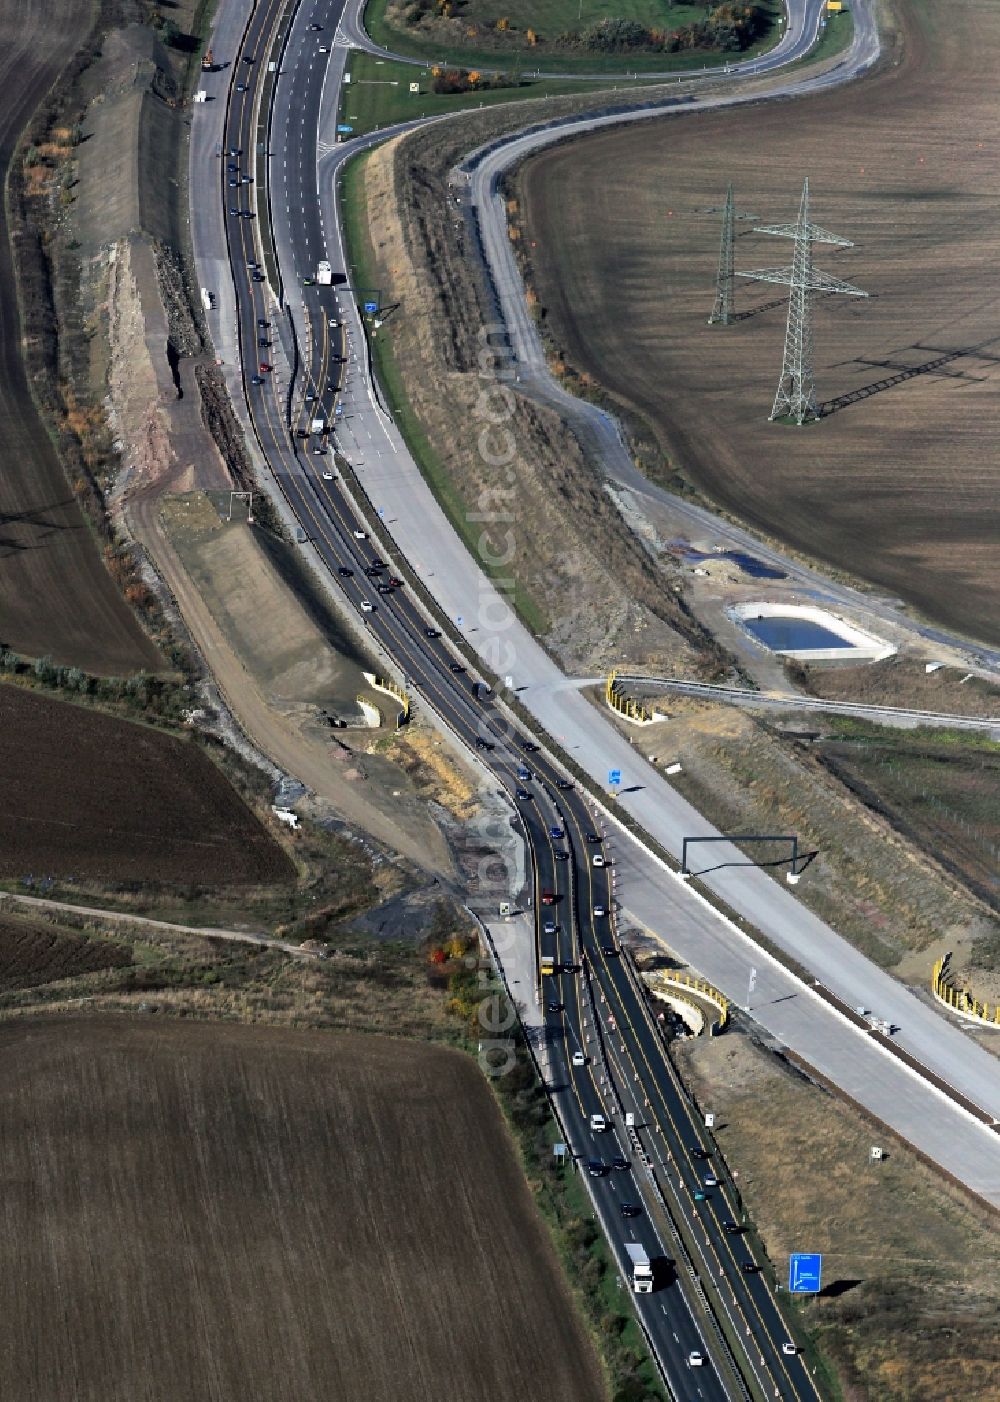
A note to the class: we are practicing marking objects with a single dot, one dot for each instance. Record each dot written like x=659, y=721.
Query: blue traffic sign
x=614, y=776
x=804, y=1271
x=371, y=307
x=342, y=126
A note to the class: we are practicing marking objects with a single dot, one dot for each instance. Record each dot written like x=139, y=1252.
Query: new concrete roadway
x=791, y=1009
x=679, y=1319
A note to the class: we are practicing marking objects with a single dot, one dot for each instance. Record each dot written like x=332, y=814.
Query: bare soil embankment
x=584, y=583
x=56, y=597
x=207, y=1213
x=910, y=1306
x=899, y=483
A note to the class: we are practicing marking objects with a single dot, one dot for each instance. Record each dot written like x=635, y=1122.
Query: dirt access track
x=900, y=483
x=56, y=597
x=208, y=1213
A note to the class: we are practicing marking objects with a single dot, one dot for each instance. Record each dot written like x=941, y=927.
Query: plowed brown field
x=93, y=797
x=207, y=1213
x=901, y=483
x=32, y=954
x=56, y=597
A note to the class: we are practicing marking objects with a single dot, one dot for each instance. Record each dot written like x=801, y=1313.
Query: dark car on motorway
x=621, y=1163
x=631, y=1209
x=596, y=1168
x=733, y=1227
x=554, y=1006
x=561, y=856
x=384, y=588
x=456, y=667
x=594, y=837
x=395, y=581
x=482, y=744
x=345, y=572
x=564, y=783
x=531, y=747
x=263, y=341
x=523, y=795
x=750, y=1268
x=432, y=632
x=256, y=379
x=263, y=322
x=608, y=950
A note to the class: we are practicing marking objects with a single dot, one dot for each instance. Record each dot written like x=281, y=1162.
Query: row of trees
x=155, y=698
x=455, y=80
x=729, y=27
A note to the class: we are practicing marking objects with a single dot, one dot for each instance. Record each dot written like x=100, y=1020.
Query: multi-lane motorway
x=592, y=989
x=601, y=1011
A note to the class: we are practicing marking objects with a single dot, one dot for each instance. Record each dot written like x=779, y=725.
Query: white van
x=598, y=859
x=598, y=1123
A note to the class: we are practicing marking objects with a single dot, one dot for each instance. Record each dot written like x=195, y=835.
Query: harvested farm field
x=56, y=597
x=33, y=953
x=900, y=481
x=91, y=797
x=208, y=1213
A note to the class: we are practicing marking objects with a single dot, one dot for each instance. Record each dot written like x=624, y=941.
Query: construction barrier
x=387, y=685
x=660, y=982
x=626, y=706
x=371, y=713
x=960, y=1000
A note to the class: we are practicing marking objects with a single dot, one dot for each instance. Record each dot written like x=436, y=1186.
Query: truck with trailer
x=642, y=1270
x=324, y=273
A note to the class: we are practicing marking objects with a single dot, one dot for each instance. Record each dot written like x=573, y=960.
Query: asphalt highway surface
x=309, y=360
x=578, y=908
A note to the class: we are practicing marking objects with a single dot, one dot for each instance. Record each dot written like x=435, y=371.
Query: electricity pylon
x=722, y=312
x=796, y=396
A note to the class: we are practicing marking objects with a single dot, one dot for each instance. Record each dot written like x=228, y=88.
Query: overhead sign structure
x=614, y=776
x=805, y=1269
x=371, y=308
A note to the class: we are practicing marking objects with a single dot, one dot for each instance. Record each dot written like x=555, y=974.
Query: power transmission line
x=796, y=396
